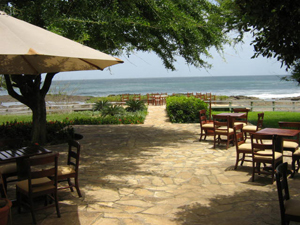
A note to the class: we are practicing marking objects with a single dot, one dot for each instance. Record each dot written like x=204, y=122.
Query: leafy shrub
x=112, y=110
x=100, y=105
x=184, y=109
x=134, y=105
x=57, y=132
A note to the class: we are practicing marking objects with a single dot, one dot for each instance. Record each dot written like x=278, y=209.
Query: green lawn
x=271, y=118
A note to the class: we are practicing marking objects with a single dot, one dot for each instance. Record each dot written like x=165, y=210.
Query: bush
x=135, y=105
x=184, y=109
x=112, y=110
x=100, y=105
x=57, y=132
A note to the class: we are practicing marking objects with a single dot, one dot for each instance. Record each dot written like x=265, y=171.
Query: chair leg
x=243, y=159
x=32, y=210
x=77, y=187
x=56, y=204
x=253, y=171
x=70, y=184
x=237, y=160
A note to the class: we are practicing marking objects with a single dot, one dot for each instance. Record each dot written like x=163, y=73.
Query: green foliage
x=274, y=25
x=295, y=73
x=184, y=109
x=134, y=105
x=128, y=26
x=112, y=110
x=57, y=131
x=100, y=105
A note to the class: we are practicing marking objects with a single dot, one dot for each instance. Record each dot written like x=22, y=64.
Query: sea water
x=264, y=87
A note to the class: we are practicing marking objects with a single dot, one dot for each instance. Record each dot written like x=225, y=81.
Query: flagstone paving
x=159, y=173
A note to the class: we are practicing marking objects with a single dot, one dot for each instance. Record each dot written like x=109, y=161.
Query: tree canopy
x=170, y=28
x=274, y=25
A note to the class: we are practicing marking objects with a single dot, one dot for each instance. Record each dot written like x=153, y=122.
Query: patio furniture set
x=37, y=173
x=266, y=150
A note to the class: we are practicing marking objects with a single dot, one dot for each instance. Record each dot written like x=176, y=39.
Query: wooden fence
x=257, y=105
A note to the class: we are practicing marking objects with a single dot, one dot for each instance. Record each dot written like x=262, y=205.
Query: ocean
x=264, y=87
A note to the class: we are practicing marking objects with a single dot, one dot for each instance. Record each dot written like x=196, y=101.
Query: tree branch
x=47, y=83
x=12, y=92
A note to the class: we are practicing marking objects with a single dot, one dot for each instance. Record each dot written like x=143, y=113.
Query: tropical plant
x=134, y=105
x=100, y=105
x=112, y=110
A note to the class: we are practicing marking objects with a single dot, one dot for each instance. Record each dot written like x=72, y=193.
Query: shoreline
x=80, y=98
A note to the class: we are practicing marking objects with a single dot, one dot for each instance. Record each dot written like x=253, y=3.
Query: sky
x=236, y=62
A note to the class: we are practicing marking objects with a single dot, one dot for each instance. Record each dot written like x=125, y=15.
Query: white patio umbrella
x=28, y=49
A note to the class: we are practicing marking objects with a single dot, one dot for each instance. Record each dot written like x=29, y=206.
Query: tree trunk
x=33, y=96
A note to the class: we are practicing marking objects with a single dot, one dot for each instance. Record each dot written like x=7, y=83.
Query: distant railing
x=257, y=105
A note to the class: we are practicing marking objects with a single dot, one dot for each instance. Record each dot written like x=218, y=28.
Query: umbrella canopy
x=28, y=49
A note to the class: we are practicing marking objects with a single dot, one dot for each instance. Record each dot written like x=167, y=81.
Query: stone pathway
x=159, y=173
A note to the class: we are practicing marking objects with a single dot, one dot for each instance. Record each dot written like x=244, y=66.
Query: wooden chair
x=222, y=128
x=150, y=99
x=10, y=169
x=65, y=173
x=157, y=99
x=290, y=144
x=38, y=183
x=250, y=129
x=125, y=98
x=241, y=146
x=263, y=151
x=206, y=126
x=289, y=208
x=241, y=120
x=136, y=97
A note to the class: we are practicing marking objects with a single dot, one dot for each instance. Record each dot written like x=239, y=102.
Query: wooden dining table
x=281, y=133
x=232, y=117
x=18, y=156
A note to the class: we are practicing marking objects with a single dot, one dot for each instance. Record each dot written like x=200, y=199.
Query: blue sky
x=236, y=62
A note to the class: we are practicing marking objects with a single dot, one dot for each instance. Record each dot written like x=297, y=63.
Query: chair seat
x=208, y=125
x=245, y=147
x=63, y=170
x=290, y=144
x=292, y=207
x=267, y=156
x=223, y=130
x=297, y=153
x=8, y=168
x=238, y=123
x=40, y=184
x=249, y=128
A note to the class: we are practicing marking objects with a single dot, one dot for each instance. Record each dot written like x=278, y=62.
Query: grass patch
x=271, y=118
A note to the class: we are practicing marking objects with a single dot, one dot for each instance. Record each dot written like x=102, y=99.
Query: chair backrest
x=282, y=187
x=242, y=110
x=125, y=97
x=202, y=116
x=260, y=142
x=239, y=135
x=221, y=123
x=48, y=169
x=260, y=120
x=290, y=125
x=74, y=154
x=137, y=97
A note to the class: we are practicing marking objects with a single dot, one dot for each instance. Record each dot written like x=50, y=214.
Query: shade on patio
x=28, y=49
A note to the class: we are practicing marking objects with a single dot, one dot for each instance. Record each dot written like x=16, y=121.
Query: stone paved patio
x=159, y=173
